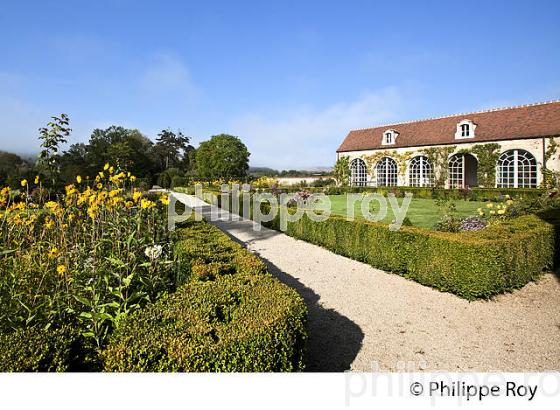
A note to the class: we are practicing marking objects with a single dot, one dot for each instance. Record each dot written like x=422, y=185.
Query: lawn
x=422, y=212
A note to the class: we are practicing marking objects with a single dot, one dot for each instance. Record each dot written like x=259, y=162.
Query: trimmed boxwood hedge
x=476, y=264
x=474, y=194
x=39, y=350
x=470, y=264
x=228, y=315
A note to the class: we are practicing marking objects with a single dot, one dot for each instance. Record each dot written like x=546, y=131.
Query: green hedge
x=229, y=314
x=472, y=265
x=474, y=194
x=39, y=350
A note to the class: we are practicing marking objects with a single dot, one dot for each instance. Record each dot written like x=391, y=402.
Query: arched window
x=456, y=171
x=386, y=172
x=358, y=172
x=516, y=168
x=420, y=172
x=463, y=171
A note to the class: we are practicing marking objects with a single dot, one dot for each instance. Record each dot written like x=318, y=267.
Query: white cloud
x=307, y=137
x=166, y=73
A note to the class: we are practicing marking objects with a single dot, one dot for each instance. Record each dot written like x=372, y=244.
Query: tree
x=170, y=148
x=13, y=168
x=341, y=171
x=125, y=148
x=51, y=137
x=223, y=156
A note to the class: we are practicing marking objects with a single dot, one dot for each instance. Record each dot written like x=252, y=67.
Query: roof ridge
x=458, y=114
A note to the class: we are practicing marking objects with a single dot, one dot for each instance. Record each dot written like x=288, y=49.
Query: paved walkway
x=362, y=318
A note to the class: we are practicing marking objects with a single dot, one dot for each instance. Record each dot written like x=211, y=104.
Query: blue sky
x=290, y=78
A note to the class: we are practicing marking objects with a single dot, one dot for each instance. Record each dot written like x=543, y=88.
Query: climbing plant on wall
x=341, y=171
x=400, y=158
x=439, y=158
x=487, y=156
x=550, y=178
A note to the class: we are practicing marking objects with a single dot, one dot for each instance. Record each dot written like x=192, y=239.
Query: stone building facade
x=512, y=147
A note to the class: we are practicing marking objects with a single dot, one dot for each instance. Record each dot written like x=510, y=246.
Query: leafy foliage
x=341, y=171
x=223, y=156
x=52, y=136
x=171, y=148
x=229, y=315
x=81, y=261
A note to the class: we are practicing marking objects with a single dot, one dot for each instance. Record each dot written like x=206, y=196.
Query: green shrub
x=228, y=315
x=470, y=264
x=37, y=350
x=474, y=194
x=475, y=264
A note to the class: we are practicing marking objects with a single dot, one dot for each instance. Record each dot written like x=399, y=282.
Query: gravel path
x=364, y=319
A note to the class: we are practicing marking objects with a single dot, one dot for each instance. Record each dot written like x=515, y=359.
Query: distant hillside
x=269, y=172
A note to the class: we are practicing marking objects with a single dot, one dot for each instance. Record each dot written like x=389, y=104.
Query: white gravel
x=364, y=319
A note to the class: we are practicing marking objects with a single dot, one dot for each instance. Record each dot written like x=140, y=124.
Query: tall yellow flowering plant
x=85, y=259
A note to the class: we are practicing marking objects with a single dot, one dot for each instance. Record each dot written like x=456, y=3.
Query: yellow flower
x=129, y=204
x=24, y=183
x=147, y=204
x=79, y=179
x=479, y=210
x=49, y=223
x=36, y=179
x=61, y=269
x=99, y=186
x=101, y=174
x=507, y=197
x=53, y=253
x=136, y=195
x=481, y=213
x=106, y=167
x=164, y=200
x=490, y=205
x=111, y=170
x=509, y=202
x=132, y=178
x=92, y=212
x=492, y=212
x=501, y=211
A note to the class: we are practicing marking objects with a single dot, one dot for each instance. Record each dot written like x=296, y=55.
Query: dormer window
x=389, y=137
x=465, y=129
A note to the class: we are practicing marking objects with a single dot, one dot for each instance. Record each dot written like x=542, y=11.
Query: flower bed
x=75, y=266
x=98, y=265
x=229, y=315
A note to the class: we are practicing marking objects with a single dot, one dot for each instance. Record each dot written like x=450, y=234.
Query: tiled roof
x=525, y=121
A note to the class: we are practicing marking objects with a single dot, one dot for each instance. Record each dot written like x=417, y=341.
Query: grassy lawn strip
x=422, y=212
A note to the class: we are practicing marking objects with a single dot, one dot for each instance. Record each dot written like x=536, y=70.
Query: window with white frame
x=386, y=172
x=456, y=171
x=516, y=168
x=420, y=172
x=465, y=129
x=358, y=172
x=389, y=137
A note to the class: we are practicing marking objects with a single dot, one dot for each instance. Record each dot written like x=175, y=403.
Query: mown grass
x=423, y=213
